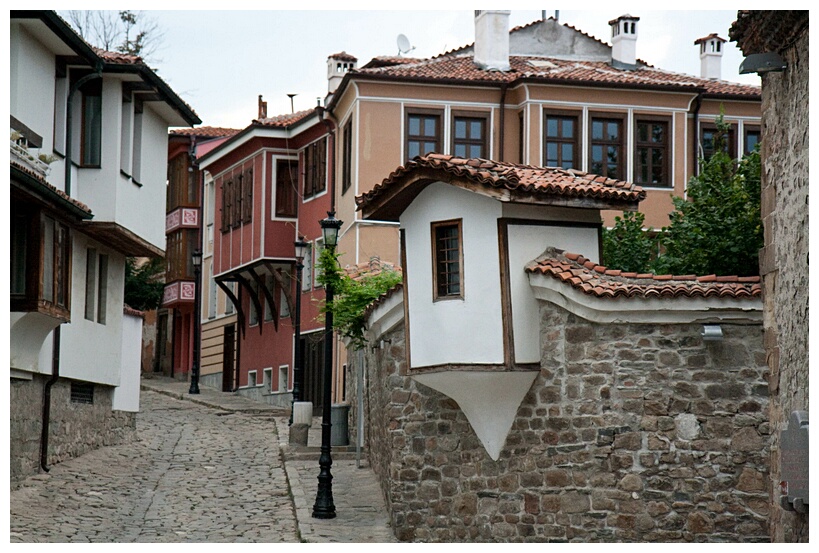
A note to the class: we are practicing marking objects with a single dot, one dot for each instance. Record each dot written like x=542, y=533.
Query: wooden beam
x=239, y=313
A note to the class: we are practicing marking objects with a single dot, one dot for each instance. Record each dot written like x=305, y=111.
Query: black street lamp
x=196, y=258
x=324, y=507
x=298, y=370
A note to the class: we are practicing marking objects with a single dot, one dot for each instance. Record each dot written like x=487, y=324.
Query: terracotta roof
x=118, y=57
x=590, y=278
x=35, y=177
x=709, y=37
x=343, y=56
x=389, y=61
x=525, y=179
x=284, y=120
x=128, y=310
x=372, y=267
x=210, y=132
x=381, y=299
x=462, y=69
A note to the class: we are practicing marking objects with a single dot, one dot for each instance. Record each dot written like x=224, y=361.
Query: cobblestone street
x=195, y=474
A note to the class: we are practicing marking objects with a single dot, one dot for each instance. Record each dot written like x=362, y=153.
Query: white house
x=88, y=176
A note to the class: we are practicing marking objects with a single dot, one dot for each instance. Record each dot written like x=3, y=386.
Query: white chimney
x=711, y=48
x=624, y=41
x=492, y=39
x=337, y=66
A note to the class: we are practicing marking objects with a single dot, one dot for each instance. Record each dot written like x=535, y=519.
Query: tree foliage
x=626, y=246
x=717, y=229
x=144, y=283
x=127, y=32
x=352, y=296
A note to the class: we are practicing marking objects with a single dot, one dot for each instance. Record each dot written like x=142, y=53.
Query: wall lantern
x=768, y=62
x=711, y=333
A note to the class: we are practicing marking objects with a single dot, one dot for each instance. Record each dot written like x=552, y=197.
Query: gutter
x=696, y=134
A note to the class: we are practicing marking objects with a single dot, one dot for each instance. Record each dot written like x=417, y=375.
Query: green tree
x=626, y=246
x=718, y=228
x=352, y=296
x=144, y=283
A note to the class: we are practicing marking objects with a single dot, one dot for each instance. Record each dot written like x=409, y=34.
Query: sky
x=219, y=62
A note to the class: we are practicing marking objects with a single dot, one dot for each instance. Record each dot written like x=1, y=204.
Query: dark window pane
x=415, y=125
x=551, y=127
x=475, y=129
x=612, y=154
x=612, y=130
x=429, y=147
x=567, y=153
x=460, y=128
x=475, y=151
x=429, y=126
x=460, y=150
x=568, y=128
x=597, y=153
x=657, y=133
x=597, y=130
x=656, y=156
x=413, y=148
x=642, y=132
x=551, y=152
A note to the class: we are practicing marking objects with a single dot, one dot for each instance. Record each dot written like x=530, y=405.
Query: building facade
x=266, y=187
x=783, y=261
x=88, y=158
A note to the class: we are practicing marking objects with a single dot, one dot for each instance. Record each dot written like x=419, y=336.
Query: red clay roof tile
x=210, y=132
x=285, y=120
x=602, y=283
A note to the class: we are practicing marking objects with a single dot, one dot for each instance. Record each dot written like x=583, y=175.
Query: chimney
x=337, y=66
x=492, y=39
x=624, y=42
x=711, y=56
x=262, y=108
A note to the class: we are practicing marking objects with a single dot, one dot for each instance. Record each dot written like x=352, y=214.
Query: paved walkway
x=213, y=467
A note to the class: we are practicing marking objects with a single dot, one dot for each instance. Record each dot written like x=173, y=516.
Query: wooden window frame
x=436, y=271
x=33, y=231
x=746, y=130
x=438, y=114
x=665, y=147
x=286, y=191
x=576, y=118
x=315, y=168
x=346, y=157
x=620, y=143
x=731, y=139
x=247, y=205
x=91, y=156
x=483, y=141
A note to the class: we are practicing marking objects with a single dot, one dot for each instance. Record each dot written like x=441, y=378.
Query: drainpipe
x=55, y=375
x=68, y=122
x=695, y=149
x=502, y=120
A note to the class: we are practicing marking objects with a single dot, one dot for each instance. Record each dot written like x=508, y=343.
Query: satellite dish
x=404, y=45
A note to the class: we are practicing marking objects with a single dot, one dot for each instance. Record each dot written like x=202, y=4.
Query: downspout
x=55, y=354
x=502, y=121
x=55, y=375
x=68, y=122
x=695, y=149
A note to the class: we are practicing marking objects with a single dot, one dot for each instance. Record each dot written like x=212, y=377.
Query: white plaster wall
x=32, y=84
x=89, y=350
x=454, y=331
x=126, y=395
x=142, y=209
x=527, y=242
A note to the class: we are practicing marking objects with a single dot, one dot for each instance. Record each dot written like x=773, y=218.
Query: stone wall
x=629, y=433
x=75, y=428
x=784, y=259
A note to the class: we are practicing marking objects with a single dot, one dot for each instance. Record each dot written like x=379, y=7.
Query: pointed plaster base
x=490, y=400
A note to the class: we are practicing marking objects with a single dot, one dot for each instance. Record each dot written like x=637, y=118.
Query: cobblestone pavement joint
x=212, y=467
